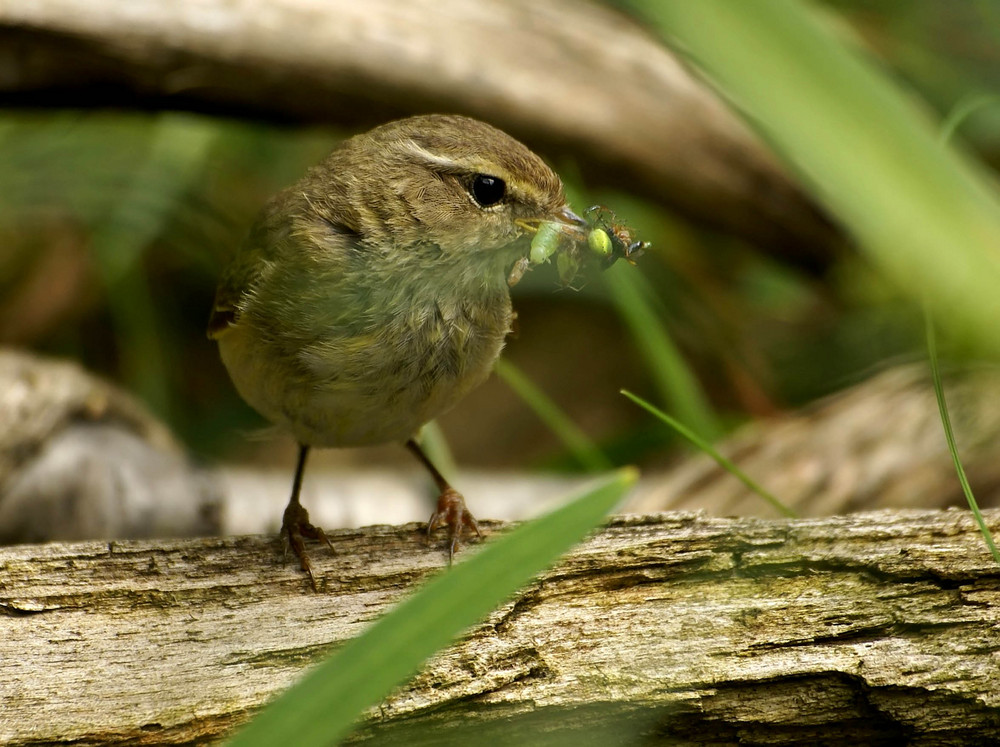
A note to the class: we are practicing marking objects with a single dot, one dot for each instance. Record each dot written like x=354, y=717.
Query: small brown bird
x=372, y=295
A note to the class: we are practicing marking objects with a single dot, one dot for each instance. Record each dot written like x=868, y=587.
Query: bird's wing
x=244, y=271
x=225, y=309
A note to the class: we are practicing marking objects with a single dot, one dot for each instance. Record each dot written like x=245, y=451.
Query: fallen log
x=871, y=628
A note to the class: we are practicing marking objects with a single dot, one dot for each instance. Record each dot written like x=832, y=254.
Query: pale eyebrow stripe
x=432, y=158
x=451, y=165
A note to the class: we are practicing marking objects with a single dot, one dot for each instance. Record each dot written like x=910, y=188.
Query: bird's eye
x=488, y=190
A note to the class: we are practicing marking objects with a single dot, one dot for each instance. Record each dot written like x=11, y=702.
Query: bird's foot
x=451, y=512
x=295, y=528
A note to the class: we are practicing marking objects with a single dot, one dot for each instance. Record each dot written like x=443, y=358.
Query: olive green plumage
x=372, y=295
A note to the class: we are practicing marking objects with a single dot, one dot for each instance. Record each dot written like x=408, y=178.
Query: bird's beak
x=567, y=216
x=571, y=223
x=575, y=226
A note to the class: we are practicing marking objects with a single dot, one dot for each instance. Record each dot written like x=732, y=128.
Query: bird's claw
x=452, y=512
x=295, y=529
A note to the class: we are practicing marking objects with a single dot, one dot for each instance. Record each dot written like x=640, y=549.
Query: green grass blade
x=435, y=446
x=580, y=446
x=706, y=447
x=322, y=707
x=949, y=435
x=962, y=111
x=922, y=211
x=178, y=152
x=676, y=384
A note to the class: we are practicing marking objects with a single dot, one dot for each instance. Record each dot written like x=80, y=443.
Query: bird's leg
x=295, y=526
x=451, y=510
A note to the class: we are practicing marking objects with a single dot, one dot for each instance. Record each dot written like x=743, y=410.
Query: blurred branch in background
x=79, y=458
x=876, y=444
x=568, y=77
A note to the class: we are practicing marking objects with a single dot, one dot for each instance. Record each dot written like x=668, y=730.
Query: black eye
x=488, y=190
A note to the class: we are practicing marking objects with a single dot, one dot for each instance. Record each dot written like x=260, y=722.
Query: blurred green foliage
x=114, y=226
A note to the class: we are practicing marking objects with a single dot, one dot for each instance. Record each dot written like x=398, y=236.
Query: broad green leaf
x=920, y=209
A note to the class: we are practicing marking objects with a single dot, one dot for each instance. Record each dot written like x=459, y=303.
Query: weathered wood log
x=878, y=444
x=880, y=628
x=568, y=77
x=80, y=458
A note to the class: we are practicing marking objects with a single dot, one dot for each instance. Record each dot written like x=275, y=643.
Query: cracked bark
x=877, y=628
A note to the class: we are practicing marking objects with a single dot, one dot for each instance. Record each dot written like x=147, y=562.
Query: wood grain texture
x=873, y=628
